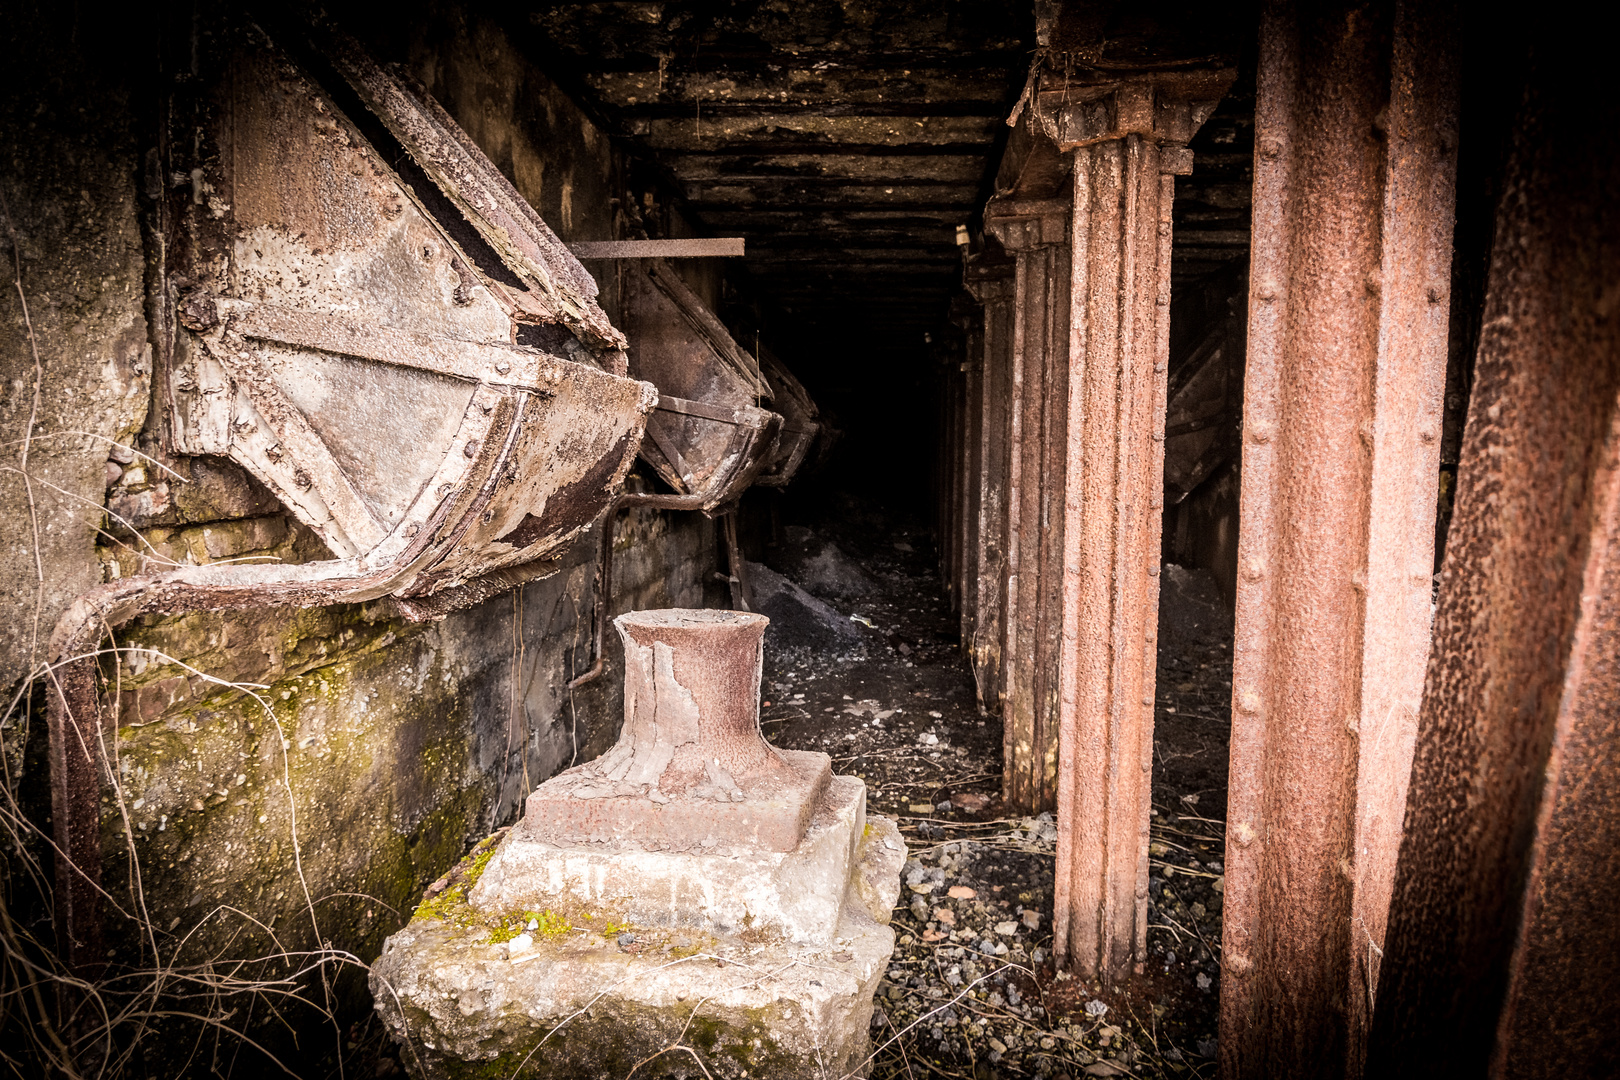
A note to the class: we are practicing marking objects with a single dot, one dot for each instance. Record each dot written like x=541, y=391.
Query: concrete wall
x=377, y=748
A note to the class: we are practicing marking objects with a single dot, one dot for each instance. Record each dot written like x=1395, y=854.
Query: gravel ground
x=971, y=991
x=863, y=661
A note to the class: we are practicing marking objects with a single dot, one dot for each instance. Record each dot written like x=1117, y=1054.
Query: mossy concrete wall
x=280, y=762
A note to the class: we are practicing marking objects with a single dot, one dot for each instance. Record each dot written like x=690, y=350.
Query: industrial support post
x=1126, y=141
x=1119, y=345
x=991, y=284
x=1036, y=234
x=1503, y=936
x=966, y=527
x=1354, y=195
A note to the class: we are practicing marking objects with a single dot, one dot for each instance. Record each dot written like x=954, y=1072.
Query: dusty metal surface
x=801, y=423
x=1356, y=144
x=348, y=335
x=691, y=767
x=1499, y=956
x=709, y=435
x=696, y=248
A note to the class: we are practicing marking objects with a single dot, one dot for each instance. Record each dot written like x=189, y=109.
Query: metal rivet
x=1243, y=833
x=1267, y=291
x=1254, y=569
x=503, y=367
x=1153, y=571
x=1249, y=701
x=1260, y=431
x=1271, y=148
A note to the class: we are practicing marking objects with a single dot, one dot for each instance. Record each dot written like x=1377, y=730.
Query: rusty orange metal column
x=1354, y=195
x=1127, y=140
x=1035, y=232
x=971, y=323
x=1503, y=951
x=1114, y=462
x=990, y=280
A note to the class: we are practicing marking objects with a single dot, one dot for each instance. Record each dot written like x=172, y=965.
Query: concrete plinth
x=696, y=901
x=579, y=1004
x=729, y=889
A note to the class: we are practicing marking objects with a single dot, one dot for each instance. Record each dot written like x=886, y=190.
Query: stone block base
x=578, y=1001
x=730, y=889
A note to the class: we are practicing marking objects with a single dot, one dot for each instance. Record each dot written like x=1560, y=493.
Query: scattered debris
x=961, y=993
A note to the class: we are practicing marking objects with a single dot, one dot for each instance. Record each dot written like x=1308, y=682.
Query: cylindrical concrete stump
x=691, y=768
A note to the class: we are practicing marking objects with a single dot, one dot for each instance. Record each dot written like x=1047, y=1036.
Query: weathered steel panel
x=1356, y=142
x=345, y=319
x=716, y=439
x=801, y=423
x=1500, y=956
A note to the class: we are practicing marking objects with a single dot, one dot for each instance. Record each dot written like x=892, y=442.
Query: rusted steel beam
x=1088, y=217
x=1036, y=233
x=1501, y=953
x=990, y=280
x=1354, y=179
x=692, y=248
x=966, y=364
x=1114, y=463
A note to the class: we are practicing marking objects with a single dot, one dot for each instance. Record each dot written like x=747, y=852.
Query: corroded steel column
x=1504, y=934
x=1126, y=141
x=1036, y=234
x=991, y=283
x=1354, y=176
x=1114, y=462
x=960, y=529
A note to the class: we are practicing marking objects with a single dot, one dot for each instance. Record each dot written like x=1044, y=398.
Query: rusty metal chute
x=359, y=309
x=708, y=436
x=801, y=423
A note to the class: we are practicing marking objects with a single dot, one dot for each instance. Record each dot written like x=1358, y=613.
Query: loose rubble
x=972, y=990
